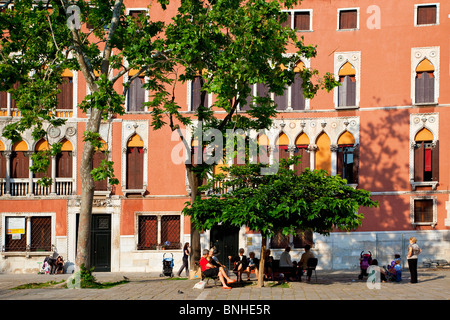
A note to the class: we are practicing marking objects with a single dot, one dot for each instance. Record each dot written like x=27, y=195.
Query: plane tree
x=285, y=202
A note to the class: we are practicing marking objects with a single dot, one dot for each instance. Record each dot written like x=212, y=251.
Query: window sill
x=424, y=104
x=346, y=107
x=134, y=191
x=418, y=224
x=27, y=254
x=351, y=29
x=432, y=184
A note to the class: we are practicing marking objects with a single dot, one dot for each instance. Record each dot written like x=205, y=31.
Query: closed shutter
x=340, y=162
x=136, y=95
x=100, y=185
x=135, y=168
x=13, y=102
x=64, y=164
x=2, y=167
x=65, y=97
x=356, y=157
x=47, y=174
x=424, y=87
x=196, y=93
x=347, y=91
x=435, y=162
x=418, y=162
x=426, y=14
x=282, y=153
x=348, y=19
x=302, y=21
x=249, y=99
x=3, y=99
x=19, y=165
x=262, y=90
x=298, y=99
x=281, y=101
x=303, y=163
x=287, y=23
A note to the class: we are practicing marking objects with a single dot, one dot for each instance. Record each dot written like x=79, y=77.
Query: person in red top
x=211, y=270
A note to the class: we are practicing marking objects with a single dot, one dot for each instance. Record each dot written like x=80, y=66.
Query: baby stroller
x=365, y=262
x=167, y=266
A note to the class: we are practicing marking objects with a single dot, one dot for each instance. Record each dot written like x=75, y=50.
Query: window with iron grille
x=298, y=240
x=39, y=230
x=423, y=211
x=159, y=232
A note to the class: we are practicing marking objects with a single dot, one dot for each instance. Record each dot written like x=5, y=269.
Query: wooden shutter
x=302, y=21
x=135, y=168
x=19, y=165
x=136, y=95
x=347, y=91
x=340, y=162
x=2, y=167
x=426, y=14
x=304, y=162
x=435, y=162
x=356, y=156
x=249, y=99
x=262, y=90
x=281, y=101
x=282, y=152
x=424, y=87
x=101, y=185
x=196, y=93
x=47, y=174
x=64, y=164
x=13, y=102
x=65, y=97
x=418, y=162
x=348, y=19
x=297, y=97
x=287, y=23
x=3, y=99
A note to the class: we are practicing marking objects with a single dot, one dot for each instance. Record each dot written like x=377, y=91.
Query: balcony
x=21, y=187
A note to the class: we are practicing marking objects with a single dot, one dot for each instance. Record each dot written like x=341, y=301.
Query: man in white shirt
x=285, y=258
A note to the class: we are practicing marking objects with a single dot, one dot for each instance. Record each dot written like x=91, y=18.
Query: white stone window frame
x=158, y=215
x=357, y=18
x=129, y=129
x=27, y=216
x=294, y=11
x=354, y=58
x=419, y=121
x=412, y=203
x=417, y=56
x=416, y=6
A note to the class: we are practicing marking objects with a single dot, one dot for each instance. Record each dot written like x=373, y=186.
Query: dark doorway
x=226, y=240
x=101, y=242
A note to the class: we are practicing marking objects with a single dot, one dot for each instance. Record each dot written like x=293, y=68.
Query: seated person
x=285, y=259
x=268, y=264
x=209, y=269
x=253, y=264
x=240, y=263
x=303, y=263
x=59, y=265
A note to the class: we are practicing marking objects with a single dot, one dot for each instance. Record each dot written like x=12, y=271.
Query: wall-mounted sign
x=15, y=225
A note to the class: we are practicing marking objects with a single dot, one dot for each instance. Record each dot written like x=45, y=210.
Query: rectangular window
x=159, y=232
x=423, y=211
x=302, y=20
x=136, y=95
x=347, y=163
x=348, y=19
x=302, y=238
x=426, y=14
x=39, y=230
x=299, y=240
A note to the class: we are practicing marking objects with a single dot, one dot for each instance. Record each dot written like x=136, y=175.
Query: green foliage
x=284, y=201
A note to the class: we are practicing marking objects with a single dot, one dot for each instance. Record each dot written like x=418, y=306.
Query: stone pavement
x=148, y=294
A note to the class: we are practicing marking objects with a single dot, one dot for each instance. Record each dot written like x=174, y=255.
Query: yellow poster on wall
x=15, y=225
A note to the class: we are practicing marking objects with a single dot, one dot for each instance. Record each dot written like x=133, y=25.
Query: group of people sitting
x=294, y=269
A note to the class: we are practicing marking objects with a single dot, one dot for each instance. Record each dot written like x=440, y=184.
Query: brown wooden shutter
x=297, y=96
x=136, y=95
x=2, y=166
x=351, y=91
x=3, y=99
x=303, y=163
x=13, y=102
x=281, y=101
x=135, y=168
x=348, y=19
x=64, y=164
x=340, y=162
x=418, y=162
x=287, y=23
x=302, y=21
x=435, y=162
x=101, y=185
x=196, y=93
x=65, y=97
x=47, y=174
x=356, y=156
x=424, y=87
x=19, y=165
x=262, y=90
x=426, y=14
x=249, y=99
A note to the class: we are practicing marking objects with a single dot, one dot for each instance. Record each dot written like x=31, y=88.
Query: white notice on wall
x=15, y=225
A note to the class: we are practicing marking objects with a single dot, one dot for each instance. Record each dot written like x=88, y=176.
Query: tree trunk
x=194, y=183
x=262, y=262
x=87, y=195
